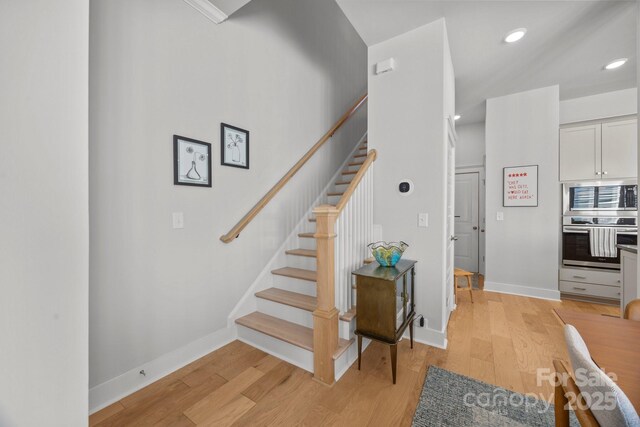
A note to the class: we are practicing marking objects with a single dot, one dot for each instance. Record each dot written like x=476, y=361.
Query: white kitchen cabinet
x=606, y=150
x=580, y=152
x=619, y=149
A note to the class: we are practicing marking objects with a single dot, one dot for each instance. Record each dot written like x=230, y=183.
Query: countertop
x=630, y=248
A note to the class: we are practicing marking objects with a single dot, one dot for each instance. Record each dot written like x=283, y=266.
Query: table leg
x=394, y=360
x=359, y=350
x=470, y=287
x=455, y=290
x=411, y=332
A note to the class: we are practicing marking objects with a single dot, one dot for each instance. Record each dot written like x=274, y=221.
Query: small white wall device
x=385, y=66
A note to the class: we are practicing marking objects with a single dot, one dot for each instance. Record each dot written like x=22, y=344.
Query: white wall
x=470, y=147
x=44, y=236
x=284, y=69
x=522, y=251
x=407, y=127
x=602, y=105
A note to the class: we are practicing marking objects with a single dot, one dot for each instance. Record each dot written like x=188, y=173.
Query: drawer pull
x=580, y=277
x=579, y=289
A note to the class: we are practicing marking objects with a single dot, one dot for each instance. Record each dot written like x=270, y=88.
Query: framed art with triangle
x=191, y=162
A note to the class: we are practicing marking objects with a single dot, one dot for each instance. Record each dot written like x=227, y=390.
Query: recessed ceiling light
x=515, y=35
x=615, y=64
x=456, y=117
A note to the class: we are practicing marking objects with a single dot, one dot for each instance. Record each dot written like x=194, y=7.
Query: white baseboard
x=430, y=337
x=525, y=291
x=131, y=381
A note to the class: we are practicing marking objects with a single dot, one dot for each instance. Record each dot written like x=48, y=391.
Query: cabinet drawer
x=590, y=289
x=608, y=278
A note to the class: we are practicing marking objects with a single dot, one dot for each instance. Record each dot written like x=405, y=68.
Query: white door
x=467, y=221
x=580, y=153
x=450, y=207
x=619, y=149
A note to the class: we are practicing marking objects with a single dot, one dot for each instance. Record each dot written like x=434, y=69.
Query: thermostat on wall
x=405, y=187
x=385, y=66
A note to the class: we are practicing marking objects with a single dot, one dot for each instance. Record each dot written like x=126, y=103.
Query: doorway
x=467, y=221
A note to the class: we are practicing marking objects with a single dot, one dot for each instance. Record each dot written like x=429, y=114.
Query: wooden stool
x=458, y=272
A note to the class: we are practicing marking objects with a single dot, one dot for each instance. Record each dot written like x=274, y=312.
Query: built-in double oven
x=606, y=211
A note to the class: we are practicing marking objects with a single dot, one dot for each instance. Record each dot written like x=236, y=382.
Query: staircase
x=283, y=324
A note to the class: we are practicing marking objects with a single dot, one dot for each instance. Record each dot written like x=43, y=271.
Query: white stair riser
x=294, y=285
x=285, y=312
x=307, y=243
x=346, y=359
x=297, y=261
x=333, y=200
x=288, y=352
x=346, y=329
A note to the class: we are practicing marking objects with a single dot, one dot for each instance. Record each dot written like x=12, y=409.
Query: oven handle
x=623, y=231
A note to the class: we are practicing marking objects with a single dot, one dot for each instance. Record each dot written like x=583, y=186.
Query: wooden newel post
x=325, y=317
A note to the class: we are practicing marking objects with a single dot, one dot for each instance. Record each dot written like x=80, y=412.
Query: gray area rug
x=449, y=399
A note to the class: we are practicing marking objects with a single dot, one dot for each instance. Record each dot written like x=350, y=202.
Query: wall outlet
x=178, y=220
x=423, y=220
x=499, y=216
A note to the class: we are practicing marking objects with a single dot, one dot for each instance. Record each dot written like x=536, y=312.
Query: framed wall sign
x=520, y=186
x=191, y=162
x=234, y=146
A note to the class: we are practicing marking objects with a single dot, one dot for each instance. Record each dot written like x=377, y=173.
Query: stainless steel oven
x=614, y=198
x=576, y=246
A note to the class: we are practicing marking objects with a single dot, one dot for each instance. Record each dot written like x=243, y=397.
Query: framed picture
x=234, y=146
x=520, y=186
x=191, y=162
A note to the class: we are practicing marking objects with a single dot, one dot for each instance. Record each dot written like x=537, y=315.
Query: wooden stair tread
x=302, y=252
x=360, y=155
x=335, y=193
x=289, y=332
x=343, y=182
x=312, y=220
x=349, y=172
x=292, y=333
x=307, y=235
x=296, y=273
x=356, y=163
x=293, y=299
x=343, y=345
x=349, y=315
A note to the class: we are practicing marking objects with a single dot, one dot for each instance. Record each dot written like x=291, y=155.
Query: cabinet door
x=619, y=149
x=580, y=153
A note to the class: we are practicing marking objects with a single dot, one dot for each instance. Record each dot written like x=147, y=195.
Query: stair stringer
x=248, y=302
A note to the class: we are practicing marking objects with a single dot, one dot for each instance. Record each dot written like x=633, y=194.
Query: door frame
x=482, y=219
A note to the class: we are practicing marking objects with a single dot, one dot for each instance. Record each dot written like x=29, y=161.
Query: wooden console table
x=385, y=305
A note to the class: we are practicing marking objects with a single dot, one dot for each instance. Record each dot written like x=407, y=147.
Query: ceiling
x=567, y=43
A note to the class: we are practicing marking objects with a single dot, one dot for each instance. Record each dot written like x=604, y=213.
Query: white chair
x=608, y=404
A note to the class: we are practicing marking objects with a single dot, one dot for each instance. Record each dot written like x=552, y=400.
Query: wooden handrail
x=371, y=157
x=235, y=231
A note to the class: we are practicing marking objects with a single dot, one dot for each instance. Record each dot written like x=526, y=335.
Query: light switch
x=178, y=220
x=499, y=216
x=423, y=220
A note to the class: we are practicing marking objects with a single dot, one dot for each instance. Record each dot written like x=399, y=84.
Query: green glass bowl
x=387, y=253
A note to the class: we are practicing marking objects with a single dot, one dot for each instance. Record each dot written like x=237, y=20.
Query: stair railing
x=236, y=229
x=337, y=256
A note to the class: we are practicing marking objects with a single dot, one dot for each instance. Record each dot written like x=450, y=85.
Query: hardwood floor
x=500, y=339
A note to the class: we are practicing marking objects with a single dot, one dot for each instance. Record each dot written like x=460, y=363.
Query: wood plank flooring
x=500, y=339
